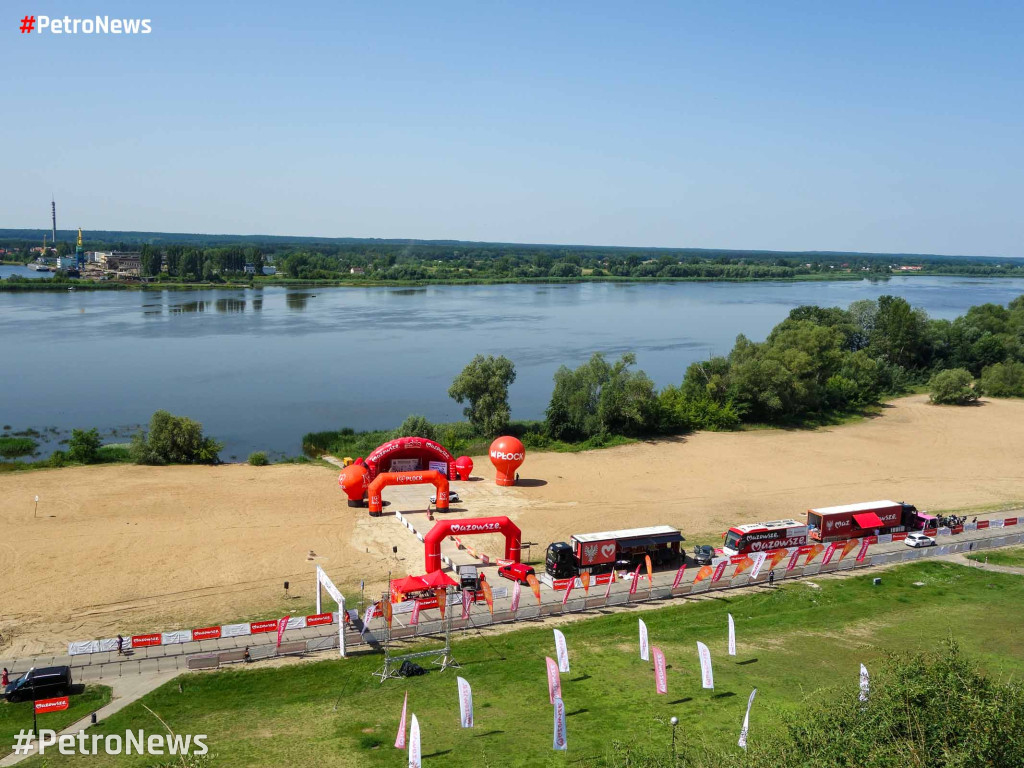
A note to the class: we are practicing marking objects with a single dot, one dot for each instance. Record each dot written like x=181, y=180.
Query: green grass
x=792, y=642
x=14, y=447
x=14, y=717
x=1013, y=557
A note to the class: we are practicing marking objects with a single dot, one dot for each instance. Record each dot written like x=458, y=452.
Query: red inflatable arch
x=410, y=454
x=432, y=541
x=407, y=478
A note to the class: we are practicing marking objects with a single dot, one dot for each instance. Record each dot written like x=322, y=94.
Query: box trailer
x=601, y=552
x=763, y=537
x=866, y=518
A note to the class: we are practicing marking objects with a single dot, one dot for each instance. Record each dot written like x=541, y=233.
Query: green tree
x=174, y=440
x=1003, y=379
x=483, y=384
x=900, y=333
x=599, y=398
x=416, y=426
x=151, y=260
x=84, y=445
x=953, y=387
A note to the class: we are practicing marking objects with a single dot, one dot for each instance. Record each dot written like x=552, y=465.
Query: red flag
x=554, y=680
x=535, y=586
x=847, y=548
x=488, y=596
x=745, y=563
x=650, y=572
x=829, y=552
x=775, y=557
x=868, y=541
x=719, y=570
x=585, y=580
x=568, y=589
x=636, y=580
x=679, y=576
x=660, y=675
x=282, y=625
x=813, y=551
x=400, y=739
x=388, y=612
x=793, y=558
x=415, y=613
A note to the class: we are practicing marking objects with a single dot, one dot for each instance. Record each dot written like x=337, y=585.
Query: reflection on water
x=230, y=305
x=297, y=300
x=188, y=306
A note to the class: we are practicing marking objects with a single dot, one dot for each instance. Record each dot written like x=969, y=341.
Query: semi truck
x=601, y=552
x=867, y=518
x=763, y=537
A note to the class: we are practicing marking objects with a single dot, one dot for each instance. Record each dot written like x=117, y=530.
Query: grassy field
x=1013, y=557
x=14, y=717
x=792, y=642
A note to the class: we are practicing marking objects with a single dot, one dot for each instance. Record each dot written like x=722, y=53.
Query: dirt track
x=150, y=548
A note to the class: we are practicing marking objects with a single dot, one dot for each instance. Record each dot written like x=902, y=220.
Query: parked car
x=516, y=572
x=453, y=497
x=918, y=540
x=703, y=554
x=40, y=683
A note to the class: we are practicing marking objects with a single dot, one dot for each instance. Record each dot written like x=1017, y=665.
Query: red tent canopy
x=409, y=584
x=439, y=579
x=869, y=520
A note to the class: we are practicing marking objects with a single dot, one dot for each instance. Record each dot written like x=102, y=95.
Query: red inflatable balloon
x=507, y=454
x=354, y=480
x=463, y=465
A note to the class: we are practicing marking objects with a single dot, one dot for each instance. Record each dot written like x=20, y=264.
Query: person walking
x=120, y=645
x=5, y=678
x=771, y=578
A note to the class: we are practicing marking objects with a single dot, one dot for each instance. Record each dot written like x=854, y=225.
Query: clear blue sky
x=871, y=126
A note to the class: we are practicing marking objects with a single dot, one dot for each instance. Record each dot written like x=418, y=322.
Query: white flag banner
x=865, y=683
x=415, y=761
x=746, y=720
x=516, y=591
x=732, y=636
x=465, y=702
x=644, y=649
x=366, y=620
x=561, y=652
x=559, y=740
x=400, y=739
x=706, y=674
x=759, y=559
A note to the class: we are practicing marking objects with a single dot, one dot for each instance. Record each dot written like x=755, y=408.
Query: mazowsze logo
x=93, y=25
x=463, y=528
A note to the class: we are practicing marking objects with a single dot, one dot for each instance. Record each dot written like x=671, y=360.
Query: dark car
x=40, y=683
x=703, y=554
x=516, y=572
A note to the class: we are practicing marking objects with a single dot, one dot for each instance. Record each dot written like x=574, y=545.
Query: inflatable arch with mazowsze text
x=470, y=525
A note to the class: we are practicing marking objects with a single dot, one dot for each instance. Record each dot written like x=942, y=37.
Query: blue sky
x=869, y=126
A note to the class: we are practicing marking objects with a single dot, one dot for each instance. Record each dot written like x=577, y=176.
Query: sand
x=133, y=549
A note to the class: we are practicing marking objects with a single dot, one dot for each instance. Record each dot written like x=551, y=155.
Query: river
x=261, y=367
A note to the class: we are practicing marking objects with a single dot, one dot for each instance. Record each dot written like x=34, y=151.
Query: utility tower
x=53, y=218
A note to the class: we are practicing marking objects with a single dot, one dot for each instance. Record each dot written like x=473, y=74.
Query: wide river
x=259, y=368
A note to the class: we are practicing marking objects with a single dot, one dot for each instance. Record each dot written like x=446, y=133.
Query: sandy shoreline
x=124, y=548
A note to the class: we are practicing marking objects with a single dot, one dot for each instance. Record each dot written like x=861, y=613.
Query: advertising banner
x=746, y=720
x=144, y=641
x=559, y=735
x=206, y=633
x=51, y=705
x=848, y=547
x=488, y=596
x=516, y=592
x=565, y=597
x=400, y=739
x=706, y=674
x=865, y=683
x=554, y=680
x=776, y=556
x=415, y=760
x=679, y=576
x=282, y=625
x=703, y=573
x=585, y=581
x=597, y=553
x=793, y=558
x=732, y=636
x=636, y=580
x=745, y=562
x=465, y=702
x=535, y=586
x=608, y=588
x=650, y=572
x=561, y=651
x=643, y=642
x=466, y=600
x=829, y=551
x=813, y=550
x=414, y=620
x=759, y=559
x=660, y=674
x=719, y=569
x=863, y=549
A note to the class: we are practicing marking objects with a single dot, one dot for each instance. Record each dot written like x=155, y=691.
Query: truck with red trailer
x=601, y=552
x=763, y=537
x=868, y=518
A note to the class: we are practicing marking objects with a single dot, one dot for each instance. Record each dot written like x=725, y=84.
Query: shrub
x=84, y=446
x=953, y=387
x=58, y=459
x=416, y=426
x=1003, y=379
x=258, y=459
x=174, y=440
x=13, y=447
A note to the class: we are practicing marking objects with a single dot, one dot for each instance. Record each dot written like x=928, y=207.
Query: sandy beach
x=131, y=549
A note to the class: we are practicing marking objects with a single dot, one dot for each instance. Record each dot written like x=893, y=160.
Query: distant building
x=250, y=269
x=69, y=262
x=909, y=268
x=357, y=271
x=269, y=270
x=121, y=263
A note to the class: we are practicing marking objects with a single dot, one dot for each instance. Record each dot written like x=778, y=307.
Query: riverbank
x=198, y=545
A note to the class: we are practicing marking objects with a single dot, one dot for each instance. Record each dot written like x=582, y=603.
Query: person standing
x=771, y=578
x=5, y=679
x=120, y=645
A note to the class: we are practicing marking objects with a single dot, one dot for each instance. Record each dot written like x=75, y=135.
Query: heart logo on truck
x=607, y=550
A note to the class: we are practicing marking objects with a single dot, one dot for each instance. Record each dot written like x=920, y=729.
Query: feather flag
x=554, y=680
x=719, y=569
x=759, y=559
x=535, y=586
x=559, y=736
x=865, y=543
x=679, y=576
x=611, y=580
x=775, y=557
x=746, y=721
x=488, y=596
x=732, y=636
x=282, y=625
x=706, y=673
x=636, y=579
x=703, y=573
x=517, y=591
x=865, y=683
x=415, y=760
x=650, y=572
x=660, y=674
x=467, y=598
x=367, y=615
x=847, y=548
x=388, y=613
x=568, y=589
x=465, y=702
x=831, y=550
x=442, y=599
x=585, y=581
x=797, y=551
x=561, y=651
x=643, y=641
x=813, y=551
x=415, y=618
x=400, y=739
x=743, y=564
